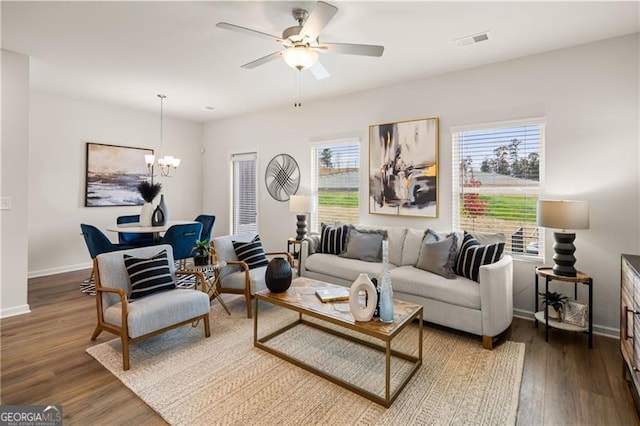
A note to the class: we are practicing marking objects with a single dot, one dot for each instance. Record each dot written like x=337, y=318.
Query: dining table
x=136, y=228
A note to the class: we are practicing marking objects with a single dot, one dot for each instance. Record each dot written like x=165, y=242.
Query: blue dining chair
x=130, y=238
x=207, y=222
x=97, y=243
x=182, y=238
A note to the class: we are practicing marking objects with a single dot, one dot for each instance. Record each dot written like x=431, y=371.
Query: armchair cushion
x=251, y=252
x=159, y=310
x=236, y=280
x=148, y=275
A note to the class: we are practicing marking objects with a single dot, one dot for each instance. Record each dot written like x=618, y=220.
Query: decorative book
x=332, y=294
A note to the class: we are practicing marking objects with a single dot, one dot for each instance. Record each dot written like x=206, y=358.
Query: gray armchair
x=236, y=277
x=149, y=315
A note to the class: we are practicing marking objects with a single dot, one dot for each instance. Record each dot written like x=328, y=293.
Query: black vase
x=158, y=217
x=278, y=275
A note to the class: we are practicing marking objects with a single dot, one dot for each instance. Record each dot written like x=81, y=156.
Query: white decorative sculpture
x=359, y=311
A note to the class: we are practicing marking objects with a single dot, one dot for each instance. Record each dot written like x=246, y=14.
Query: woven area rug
x=224, y=379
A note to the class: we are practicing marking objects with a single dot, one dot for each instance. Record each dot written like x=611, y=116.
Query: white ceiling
x=127, y=52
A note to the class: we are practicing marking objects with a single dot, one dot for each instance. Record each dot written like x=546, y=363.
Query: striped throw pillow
x=472, y=255
x=251, y=252
x=333, y=239
x=148, y=276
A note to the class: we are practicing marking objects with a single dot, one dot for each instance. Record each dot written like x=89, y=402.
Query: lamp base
x=301, y=232
x=563, y=258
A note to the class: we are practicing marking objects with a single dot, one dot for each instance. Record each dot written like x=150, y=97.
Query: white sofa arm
x=302, y=257
x=496, y=296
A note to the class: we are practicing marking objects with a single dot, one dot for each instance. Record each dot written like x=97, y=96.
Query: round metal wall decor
x=282, y=177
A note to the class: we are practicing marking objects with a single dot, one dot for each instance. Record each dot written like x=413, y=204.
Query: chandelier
x=167, y=163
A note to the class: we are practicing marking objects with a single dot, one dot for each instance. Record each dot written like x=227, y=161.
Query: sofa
x=484, y=308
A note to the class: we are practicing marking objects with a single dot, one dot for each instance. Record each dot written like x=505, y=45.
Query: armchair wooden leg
x=125, y=352
x=248, y=300
x=96, y=332
x=207, y=328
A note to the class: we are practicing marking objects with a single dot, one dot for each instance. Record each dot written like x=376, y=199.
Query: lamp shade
x=563, y=214
x=301, y=204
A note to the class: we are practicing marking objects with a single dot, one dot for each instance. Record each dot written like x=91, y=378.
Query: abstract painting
x=403, y=168
x=113, y=175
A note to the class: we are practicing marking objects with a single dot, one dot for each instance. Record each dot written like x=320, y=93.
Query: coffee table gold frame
x=301, y=298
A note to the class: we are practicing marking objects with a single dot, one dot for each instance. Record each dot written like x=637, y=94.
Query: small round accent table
x=209, y=274
x=542, y=316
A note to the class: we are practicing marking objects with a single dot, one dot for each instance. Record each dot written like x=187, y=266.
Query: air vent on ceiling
x=473, y=39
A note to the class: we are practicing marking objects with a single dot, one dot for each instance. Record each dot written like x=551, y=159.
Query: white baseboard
x=14, y=310
x=597, y=329
x=59, y=270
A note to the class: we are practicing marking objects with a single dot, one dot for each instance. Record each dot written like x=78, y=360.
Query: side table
x=580, y=278
x=292, y=243
x=209, y=275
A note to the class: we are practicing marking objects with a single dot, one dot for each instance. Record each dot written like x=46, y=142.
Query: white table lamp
x=563, y=215
x=301, y=204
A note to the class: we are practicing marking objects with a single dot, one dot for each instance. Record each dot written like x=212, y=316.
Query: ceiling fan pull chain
x=297, y=103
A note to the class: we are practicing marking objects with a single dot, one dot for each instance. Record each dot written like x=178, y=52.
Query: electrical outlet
x=5, y=203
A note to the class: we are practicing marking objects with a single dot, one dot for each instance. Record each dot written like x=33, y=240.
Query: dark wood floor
x=43, y=362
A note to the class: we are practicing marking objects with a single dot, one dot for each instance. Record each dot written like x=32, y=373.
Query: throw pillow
x=473, y=255
x=251, y=252
x=439, y=256
x=148, y=276
x=332, y=239
x=364, y=244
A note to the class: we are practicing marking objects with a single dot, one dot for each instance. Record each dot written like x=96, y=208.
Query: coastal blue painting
x=113, y=175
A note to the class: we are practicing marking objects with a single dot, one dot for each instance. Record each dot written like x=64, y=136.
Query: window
x=245, y=211
x=335, y=178
x=496, y=182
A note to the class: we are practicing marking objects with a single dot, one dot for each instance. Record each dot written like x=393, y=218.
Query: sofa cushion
x=342, y=267
x=459, y=291
x=251, y=252
x=411, y=247
x=439, y=257
x=332, y=238
x=472, y=255
x=364, y=244
x=395, y=236
x=148, y=275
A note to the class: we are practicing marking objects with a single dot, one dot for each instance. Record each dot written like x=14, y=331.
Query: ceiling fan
x=301, y=44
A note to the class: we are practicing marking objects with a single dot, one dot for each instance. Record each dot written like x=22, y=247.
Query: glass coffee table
x=301, y=298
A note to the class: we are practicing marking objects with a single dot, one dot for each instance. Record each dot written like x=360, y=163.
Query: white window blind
x=245, y=211
x=335, y=178
x=497, y=180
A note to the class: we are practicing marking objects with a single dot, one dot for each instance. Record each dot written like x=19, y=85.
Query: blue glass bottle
x=386, y=291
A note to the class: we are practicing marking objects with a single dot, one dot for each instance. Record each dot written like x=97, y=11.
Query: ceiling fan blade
x=318, y=19
x=353, y=49
x=249, y=31
x=319, y=71
x=271, y=57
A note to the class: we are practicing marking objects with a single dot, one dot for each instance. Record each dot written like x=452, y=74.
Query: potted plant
x=556, y=301
x=148, y=191
x=202, y=249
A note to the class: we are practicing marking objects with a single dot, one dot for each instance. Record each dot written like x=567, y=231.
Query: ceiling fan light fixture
x=300, y=57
